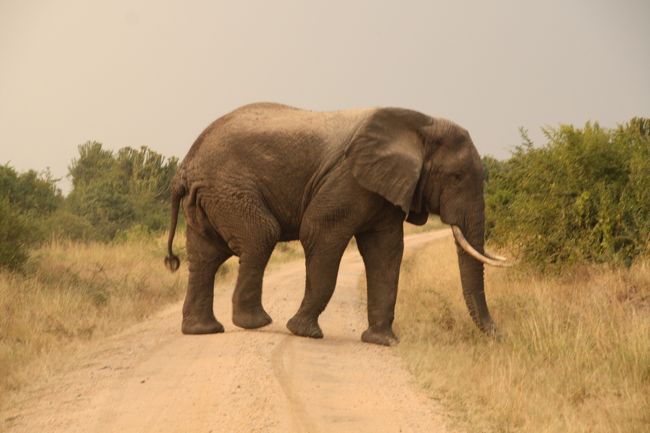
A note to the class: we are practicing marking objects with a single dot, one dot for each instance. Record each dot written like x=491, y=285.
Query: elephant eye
x=456, y=177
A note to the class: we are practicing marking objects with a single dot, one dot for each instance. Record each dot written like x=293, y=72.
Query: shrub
x=115, y=191
x=16, y=235
x=30, y=191
x=63, y=224
x=583, y=197
x=104, y=205
x=26, y=200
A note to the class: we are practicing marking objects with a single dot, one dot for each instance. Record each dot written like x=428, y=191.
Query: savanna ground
x=575, y=352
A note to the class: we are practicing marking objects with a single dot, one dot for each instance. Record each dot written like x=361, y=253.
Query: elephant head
x=428, y=165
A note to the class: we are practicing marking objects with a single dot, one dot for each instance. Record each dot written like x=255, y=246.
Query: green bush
x=104, y=204
x=584, y=196
x=30, y=191
x=26, y=201
x=16, y=235
x=116, y=191
x=63, y=224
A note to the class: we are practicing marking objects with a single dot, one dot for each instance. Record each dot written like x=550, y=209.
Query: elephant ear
x=386, y=154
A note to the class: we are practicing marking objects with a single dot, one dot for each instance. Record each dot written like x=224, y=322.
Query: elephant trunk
x=471, y=273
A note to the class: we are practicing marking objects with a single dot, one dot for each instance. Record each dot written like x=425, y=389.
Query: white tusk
x=460, y=238
x=495, y=257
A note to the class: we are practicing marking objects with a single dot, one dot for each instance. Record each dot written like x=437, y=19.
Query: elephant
x=268, y=173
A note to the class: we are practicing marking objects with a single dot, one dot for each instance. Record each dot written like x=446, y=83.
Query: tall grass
x=575, y=355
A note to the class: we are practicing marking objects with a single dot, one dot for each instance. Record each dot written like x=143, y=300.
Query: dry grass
x=575, y=357
x=72, y=293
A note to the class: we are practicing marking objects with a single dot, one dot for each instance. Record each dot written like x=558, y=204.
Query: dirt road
x=153, y=379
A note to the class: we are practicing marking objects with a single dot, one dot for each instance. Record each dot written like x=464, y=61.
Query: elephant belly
x=289, y=236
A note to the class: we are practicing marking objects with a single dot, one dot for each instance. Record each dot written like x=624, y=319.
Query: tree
x=115, y=191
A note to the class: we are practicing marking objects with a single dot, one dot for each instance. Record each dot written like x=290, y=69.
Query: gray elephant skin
x=268, y=173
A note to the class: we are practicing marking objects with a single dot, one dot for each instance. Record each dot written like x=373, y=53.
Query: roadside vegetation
x=582, y=197
x=574, y=313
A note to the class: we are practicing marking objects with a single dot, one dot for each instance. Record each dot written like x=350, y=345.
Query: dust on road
x=153, y=379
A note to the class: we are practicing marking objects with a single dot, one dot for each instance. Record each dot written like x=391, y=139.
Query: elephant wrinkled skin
x=267, y=173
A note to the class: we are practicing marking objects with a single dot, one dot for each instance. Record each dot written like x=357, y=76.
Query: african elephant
x=267, y=173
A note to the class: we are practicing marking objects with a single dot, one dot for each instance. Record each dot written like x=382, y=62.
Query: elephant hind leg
x=205, y=257
x=247, y=309
x=251, y=232
x=255, y=239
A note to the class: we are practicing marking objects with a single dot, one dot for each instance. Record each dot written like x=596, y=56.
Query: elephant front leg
x=323, y=263
x=382, y=256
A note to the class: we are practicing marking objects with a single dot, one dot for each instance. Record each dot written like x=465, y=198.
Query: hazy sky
x=155, y=73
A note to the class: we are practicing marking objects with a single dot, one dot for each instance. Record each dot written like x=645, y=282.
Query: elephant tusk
x=495, y=257
x=494, y=261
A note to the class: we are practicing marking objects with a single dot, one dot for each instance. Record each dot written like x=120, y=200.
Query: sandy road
x=153, y=379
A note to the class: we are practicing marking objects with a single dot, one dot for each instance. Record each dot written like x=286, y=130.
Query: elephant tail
x=172, y=262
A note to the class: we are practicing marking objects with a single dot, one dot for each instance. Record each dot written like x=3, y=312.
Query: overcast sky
x=155, y=73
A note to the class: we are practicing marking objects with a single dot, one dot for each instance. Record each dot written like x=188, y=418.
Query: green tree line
x=113, y=193
x=582, y=197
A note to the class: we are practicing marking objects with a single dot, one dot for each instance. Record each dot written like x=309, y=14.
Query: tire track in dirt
x=299, y=414
x=153, y=379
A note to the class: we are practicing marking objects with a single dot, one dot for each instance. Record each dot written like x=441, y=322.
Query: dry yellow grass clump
x=575, y=355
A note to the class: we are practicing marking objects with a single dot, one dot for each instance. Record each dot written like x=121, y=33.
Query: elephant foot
x=384, y=338
x=195, y=327
x=304, y=327
x=250, y=319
